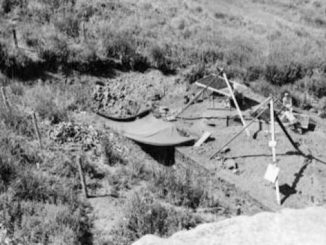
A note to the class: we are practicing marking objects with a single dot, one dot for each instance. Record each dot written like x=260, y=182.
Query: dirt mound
x=128, y=94
x=289, y=226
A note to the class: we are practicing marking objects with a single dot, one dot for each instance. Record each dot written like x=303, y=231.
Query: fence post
x=37, y=131
x=15, y=37
x=82, y=177
x=5, y=99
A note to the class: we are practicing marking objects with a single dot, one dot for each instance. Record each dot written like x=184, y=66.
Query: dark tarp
x=125, y=119
x=151, y=131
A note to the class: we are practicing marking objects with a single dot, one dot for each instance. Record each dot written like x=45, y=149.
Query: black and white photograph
x=163, y=122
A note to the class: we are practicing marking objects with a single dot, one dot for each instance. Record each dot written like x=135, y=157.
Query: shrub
x=157, y=55
x=146, y=216
x=68, y=24
x=16, y=62
x=34, y=186
x=220, y=15
x=197, y=72
x=17, y=88
x=50, y=102
x=254, y=73
x=119, y=45
x=281, y=74
x=316, y=85
x=18, y=150
x=48, y=110
x=139, y=63
x=9, y=5
x=18, y=122
x=181, y=189
x=55, y=51
x=7, y=174
x=110, y=155
x=36, y=223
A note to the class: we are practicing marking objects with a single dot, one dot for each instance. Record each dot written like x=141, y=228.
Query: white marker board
x=271, y=173
x=202, y=139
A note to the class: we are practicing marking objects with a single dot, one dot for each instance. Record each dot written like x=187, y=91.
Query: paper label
x=271, y=173
x=272, y=144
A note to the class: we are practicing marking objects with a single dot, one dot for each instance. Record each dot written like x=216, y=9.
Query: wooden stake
x=37, y=131
x=236, y=103
x=260, y=125
x=278, y=120
x=82, y=177
x=15, y=37
x=213, y=99
x=84, y=31
x=273, y=146
x=5, y=99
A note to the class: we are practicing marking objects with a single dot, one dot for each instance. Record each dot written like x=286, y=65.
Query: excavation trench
x=228, y=195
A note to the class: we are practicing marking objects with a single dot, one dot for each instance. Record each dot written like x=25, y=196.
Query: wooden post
x=4, y=98
x=84, y=30
x=82, y=177
x=37, y=131
x=14, y=34
x=236, y=103
x=278, y=120
x=227, y=121
x=273, y=146
x=213, y=99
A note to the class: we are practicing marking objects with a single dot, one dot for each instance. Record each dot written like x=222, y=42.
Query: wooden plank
x=37, y=131
x=293, y=143
x=223, y=90
x=5, y=99
x=82, y=177
x=202, y=139
x=219, y=91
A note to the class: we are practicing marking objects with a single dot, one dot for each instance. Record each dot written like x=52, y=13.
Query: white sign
x=271, y=173
x=203, y=138
x=272, y=143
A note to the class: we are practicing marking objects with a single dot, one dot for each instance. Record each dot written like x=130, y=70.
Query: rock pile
x=67, y=132
x=114, y=99
x=127, y=95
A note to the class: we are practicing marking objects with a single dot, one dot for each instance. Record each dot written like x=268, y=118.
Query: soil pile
x=132, y=93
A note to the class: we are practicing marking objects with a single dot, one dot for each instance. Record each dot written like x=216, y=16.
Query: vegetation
x=39, y=207
x=39, y=188
x=144, y=216
x=83, y=36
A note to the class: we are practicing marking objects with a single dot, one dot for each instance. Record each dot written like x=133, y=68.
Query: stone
x=288, y=226
x=231, y=164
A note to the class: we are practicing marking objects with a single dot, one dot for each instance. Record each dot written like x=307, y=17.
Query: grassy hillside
x=262, y=42
x=272, y=45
